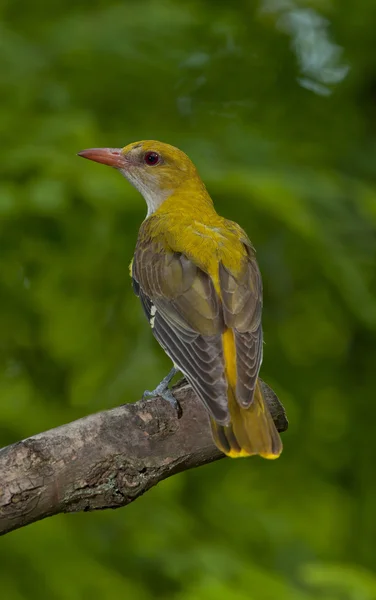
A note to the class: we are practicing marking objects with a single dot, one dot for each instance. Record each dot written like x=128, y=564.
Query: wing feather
x=187, y=320
x=201, y=361
x=242, y=307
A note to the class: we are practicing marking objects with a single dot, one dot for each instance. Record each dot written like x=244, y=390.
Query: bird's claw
x=164, y=392
x=167, y=395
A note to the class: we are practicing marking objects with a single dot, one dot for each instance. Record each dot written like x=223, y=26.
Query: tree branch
x=108, y=459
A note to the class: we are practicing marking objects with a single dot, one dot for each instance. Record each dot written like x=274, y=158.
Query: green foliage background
x=274, y=100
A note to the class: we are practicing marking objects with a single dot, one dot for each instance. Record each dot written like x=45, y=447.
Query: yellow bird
x=200, y=287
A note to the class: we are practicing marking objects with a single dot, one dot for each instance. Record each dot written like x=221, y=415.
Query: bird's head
x=157, y=170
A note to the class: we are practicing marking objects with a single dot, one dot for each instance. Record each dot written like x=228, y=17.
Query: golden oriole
x=199, y=284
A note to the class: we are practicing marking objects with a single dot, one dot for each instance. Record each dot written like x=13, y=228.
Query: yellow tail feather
x=251, y=430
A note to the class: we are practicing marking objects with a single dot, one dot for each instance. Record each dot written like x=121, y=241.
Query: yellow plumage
x=199, y=284
x=252, y=427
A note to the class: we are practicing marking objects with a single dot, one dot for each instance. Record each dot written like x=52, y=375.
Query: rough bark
x=108, y=459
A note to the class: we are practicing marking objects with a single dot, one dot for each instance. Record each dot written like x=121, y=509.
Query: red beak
x=107, y=156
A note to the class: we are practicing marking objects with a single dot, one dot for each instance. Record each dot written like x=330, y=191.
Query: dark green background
x=275, y=102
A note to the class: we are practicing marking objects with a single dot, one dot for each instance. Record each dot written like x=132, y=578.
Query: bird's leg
x=164, y=392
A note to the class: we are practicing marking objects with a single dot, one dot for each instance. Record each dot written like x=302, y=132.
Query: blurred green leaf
x=274, y=101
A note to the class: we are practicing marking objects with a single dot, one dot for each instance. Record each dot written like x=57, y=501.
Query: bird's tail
x=251, y=430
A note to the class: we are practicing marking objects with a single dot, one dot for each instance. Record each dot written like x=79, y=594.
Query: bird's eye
x=151, y=158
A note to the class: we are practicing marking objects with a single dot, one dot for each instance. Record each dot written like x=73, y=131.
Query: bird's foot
x=164, y=392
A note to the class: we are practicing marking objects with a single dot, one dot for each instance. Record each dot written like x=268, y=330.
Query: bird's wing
x=242, y=306
x=186, y=316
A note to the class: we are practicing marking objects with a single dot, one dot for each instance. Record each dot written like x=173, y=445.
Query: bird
x=200, y=287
